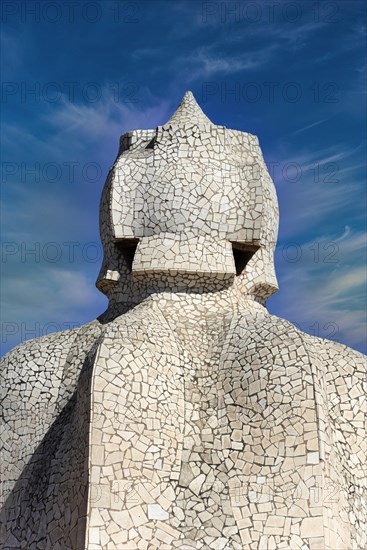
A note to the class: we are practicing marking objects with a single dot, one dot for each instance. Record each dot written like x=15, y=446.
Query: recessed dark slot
x=241, y=256
x=127, y=248
x=150, y=144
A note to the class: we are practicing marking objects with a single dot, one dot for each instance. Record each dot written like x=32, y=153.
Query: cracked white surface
x=186, y=416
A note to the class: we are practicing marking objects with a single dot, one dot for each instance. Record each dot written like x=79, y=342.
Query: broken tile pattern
x=185, y=193
x=44, y=440
x=255, y=447
x=187, y=416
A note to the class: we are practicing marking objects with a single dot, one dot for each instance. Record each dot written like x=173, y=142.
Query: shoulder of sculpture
x=47, y=354
x=337, y=357
x=263, y=331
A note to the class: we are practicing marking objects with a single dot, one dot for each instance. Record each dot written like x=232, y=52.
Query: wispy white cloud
x=58, y=292
x=317, y=123
x=30, y=210
x=74, y=136
x=71, y=128
x=234, y=21
x=107, y=118
x=351, y=41
x=47, y=300
x=205, y=62
x=325, y=289
x=330, y=182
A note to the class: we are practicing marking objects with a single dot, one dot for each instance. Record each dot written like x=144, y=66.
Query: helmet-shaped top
x=192, y=202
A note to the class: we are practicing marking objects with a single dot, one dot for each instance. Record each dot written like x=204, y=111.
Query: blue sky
x=75, y=77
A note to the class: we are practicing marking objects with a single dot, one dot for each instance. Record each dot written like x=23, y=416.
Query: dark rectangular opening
x=242, y=253
x=127, y=248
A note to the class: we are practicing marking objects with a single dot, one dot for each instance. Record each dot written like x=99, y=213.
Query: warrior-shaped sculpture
x=186, y=416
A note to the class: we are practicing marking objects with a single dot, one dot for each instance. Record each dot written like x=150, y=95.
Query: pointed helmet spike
x=188, y=112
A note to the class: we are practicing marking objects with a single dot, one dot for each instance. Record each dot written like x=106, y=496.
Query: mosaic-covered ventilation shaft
x=186, y=416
